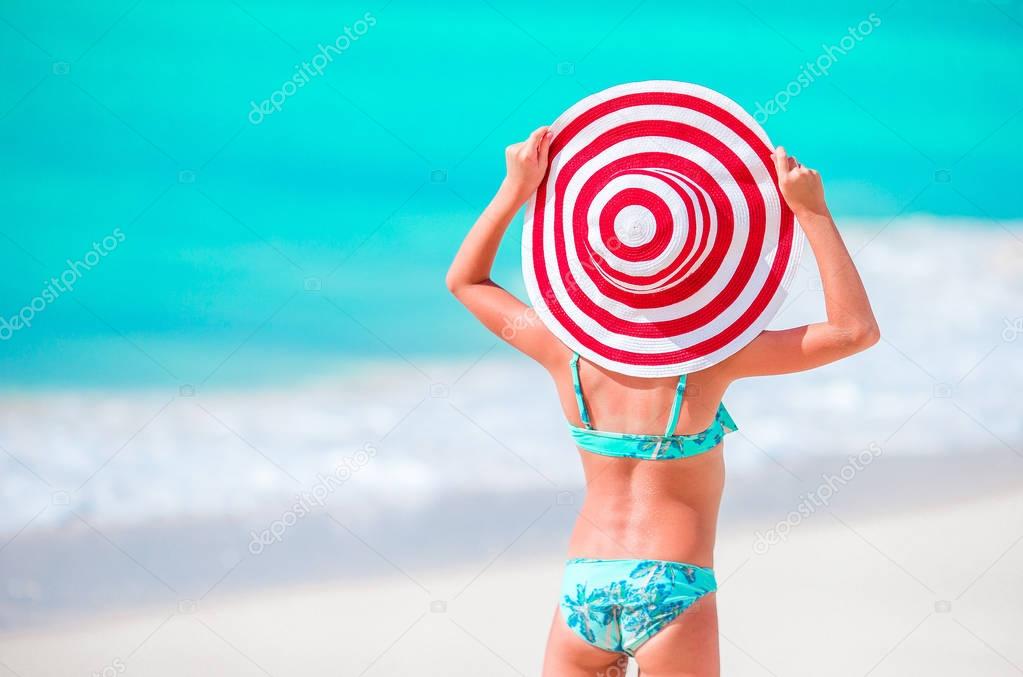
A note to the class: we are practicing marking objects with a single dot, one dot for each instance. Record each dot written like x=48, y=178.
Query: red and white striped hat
x=658, y=243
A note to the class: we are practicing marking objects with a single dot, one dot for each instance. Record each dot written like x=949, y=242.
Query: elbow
x=868, y=335
x=860, y=336
x=459, y=284
x=875, y=334
x=452, y=283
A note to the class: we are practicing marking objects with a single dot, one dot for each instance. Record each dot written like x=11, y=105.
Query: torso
x=646, y=509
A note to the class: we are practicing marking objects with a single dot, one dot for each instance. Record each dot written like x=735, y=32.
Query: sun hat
x=658, y=242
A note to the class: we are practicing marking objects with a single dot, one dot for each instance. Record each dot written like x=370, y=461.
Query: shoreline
x=869, y=594
x=462, y=531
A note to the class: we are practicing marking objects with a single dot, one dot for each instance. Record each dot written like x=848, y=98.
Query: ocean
x=251, y=272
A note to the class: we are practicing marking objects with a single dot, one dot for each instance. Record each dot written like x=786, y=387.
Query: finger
x=545, y=146
x=781, y=160
x=534, y=140
x=793, y=163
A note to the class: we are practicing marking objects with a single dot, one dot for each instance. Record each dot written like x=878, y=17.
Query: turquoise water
x=260, y=251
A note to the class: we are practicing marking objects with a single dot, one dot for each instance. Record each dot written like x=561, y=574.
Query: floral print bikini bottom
x=618, y=604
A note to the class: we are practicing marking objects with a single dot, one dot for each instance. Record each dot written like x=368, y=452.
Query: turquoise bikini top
x=650, y=447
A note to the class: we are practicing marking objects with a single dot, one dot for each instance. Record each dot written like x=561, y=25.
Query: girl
x=640, y=580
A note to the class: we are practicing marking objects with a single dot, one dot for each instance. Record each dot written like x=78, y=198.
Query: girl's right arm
x=850, y=326
x=468, y=277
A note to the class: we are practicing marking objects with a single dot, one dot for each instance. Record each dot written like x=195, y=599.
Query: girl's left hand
x=527, y=164
x=801, y=187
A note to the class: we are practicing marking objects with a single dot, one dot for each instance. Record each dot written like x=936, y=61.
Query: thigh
x=686, y=647
x=568, y=655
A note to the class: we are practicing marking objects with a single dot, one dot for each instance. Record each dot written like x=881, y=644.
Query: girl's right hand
x=527, y=164
x=801, y=186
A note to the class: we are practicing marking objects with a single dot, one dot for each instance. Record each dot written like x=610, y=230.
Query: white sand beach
x=921, y=592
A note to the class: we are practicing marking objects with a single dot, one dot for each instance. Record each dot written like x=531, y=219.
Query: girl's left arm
x=468, y=277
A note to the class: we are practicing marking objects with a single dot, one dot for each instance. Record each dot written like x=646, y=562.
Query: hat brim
x=658, y=242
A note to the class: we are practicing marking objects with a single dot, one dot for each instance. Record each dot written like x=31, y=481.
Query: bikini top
x=649, y=447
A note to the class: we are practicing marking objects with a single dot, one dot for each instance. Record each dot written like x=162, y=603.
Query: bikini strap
x=676, y=406
x=583, y=415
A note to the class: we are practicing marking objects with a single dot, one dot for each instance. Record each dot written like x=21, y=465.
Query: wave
x=397, y=435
